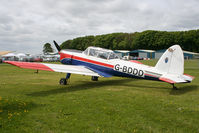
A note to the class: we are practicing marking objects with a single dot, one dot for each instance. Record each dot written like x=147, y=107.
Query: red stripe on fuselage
x=150, y=75
x=64, y=55
x=134, y=61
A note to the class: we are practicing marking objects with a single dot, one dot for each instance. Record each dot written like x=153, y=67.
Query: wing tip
x=192, y=77
x=30, y=65
x=11, y=62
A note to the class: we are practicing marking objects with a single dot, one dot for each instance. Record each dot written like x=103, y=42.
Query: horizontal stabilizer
x=171, y=78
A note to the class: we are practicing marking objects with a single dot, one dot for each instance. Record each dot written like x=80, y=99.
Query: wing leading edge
x=54, y=67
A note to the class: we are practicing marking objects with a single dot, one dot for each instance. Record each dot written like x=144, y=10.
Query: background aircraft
x=99, y=62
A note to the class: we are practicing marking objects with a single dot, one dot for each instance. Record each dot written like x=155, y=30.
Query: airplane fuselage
x=108, y=68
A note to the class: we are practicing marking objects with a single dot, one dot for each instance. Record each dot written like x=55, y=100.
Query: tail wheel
x=63, y=81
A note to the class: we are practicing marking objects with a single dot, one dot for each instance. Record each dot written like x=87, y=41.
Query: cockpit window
x=101, y=53
x=113, y=56
x=93, y=52
x=86, y=52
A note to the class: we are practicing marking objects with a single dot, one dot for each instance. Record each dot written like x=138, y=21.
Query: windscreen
x=101, y=53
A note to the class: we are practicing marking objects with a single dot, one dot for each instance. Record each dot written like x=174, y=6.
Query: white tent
x=9, y=55
x=21, y=55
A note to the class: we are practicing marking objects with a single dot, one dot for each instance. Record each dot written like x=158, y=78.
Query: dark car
x=38, y=60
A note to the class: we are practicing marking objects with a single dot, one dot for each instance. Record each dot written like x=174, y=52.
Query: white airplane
x=100, y=62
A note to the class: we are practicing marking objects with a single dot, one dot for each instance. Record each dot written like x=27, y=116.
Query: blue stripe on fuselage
x=102, y=70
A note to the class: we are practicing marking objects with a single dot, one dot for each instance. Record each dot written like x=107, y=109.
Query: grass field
x=31, y=102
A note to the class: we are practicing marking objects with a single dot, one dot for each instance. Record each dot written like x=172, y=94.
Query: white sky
x=26, y=25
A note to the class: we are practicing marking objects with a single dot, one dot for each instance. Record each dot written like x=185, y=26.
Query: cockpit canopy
x=101, y=53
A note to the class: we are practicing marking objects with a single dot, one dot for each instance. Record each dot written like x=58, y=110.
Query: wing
x=55, y=67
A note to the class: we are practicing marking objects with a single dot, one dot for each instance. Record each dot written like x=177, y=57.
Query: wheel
x=175, y=88
x=94, y=78
x=63, y=81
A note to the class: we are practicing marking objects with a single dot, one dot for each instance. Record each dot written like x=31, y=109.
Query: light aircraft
x=100, y=62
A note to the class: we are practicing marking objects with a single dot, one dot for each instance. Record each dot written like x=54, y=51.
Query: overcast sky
x=26, y=25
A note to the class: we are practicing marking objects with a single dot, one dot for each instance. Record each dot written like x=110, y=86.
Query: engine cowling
x=65, y=58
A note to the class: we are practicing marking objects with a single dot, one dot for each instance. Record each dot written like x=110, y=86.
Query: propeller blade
x=57, y=46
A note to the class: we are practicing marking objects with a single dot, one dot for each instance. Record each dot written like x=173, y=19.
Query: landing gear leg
x=37, y=71
x=175, y=88
x=63, y=81
x=68, y=75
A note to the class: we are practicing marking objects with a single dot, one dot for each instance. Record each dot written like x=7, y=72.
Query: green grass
x=31, y=102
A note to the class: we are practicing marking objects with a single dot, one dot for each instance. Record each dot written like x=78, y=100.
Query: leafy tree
x=66, y=44
x=47, y=48
x=156, y=40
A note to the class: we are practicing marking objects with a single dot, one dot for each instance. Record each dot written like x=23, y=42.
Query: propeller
x=57, y=46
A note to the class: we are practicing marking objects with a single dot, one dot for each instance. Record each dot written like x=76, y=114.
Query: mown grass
x=31, y=102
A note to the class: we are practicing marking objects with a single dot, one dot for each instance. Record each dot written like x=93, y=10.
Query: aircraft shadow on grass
x=184, y=89
x=117, y=82
x=83, y=86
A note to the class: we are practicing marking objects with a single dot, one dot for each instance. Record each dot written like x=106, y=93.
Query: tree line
x=154, y=40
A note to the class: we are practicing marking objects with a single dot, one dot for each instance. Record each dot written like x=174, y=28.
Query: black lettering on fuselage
x=129, y=70
x=124, y=69
x=135, y=71
x=141, y=73
x=117, y=67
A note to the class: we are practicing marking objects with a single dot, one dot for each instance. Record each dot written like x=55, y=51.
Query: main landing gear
x=94, y=78
x=63, y=81
x=174, y=87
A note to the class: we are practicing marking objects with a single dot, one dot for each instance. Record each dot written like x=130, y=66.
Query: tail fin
x=172, y=61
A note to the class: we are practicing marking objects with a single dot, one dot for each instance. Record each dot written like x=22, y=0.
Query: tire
x=94, y=78
x=63, y=81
